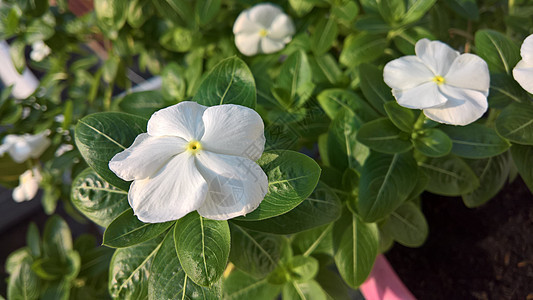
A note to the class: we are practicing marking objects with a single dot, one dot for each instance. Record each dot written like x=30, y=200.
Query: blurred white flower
x=450, y=88
x=28, y=185
x=39, y=50
x=62, y=149
x=22, y=147
x=523, y=71
x=195, y=157
x=263, y=28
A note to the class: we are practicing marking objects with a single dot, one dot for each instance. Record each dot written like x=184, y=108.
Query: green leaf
x=183, y=10
x=449, y=176
x=229, y=82
x=302, y=268
x=241, y=286
x=333, y=100
x=253, y=252
x=173, y=79
x=381, y=135
x=475, y=141
x=361, y=48
x=57, y=239
x=171, y=281
x=292, y=177
x=317, y=240
x=356, y=247
x=391, y=10
x=345, y=10
x=10, y=171
x=15, y=258
x=322, y=207
x=102, y=135
x=126, y=230
x=492, y=173
x=407, y=225
x=515, y=123
x=295, y=80
x=111, y=16
x=416, y=9
x=33, y=240
x=96, y=199
x=40, y=29
x=372, y=24
x=401, y=117
x=203, y=247
x=406, y=40
x=57, y=290
x=332, y=284
x=16, y=51
x=324, y=36
x=432, y=142
x=309, y=290
x=504, y=90
x=205, y=11
x=129, y=270
x=386, y=182
x=139, y=12
x=374, y=88
x=178, y=39
x=143, y=103
x=329, y=66
x=523, y=159
x=498, y=50
x=23, y=283
x=465, y=8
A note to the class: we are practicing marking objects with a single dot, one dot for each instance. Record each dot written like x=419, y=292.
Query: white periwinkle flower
x=28, y=185
x=263, y=28
x=523, y=72
x=195, y=157
x=449, y=87
x=22, y=147
x=39, y=51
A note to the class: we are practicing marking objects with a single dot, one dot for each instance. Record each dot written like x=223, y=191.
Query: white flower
x=263, y=28
x=450, y=88
x=28, y=185
x=22, y=147
x=62, y=149
x=523, y=71
x=39, y=50
x=195, y=157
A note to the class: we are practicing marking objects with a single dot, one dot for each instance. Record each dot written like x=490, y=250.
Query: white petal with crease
x=269, y=45
x=526, y=50
x=463, y=106
x=469, y=71
x=523, y=74
x=264, y=14
x=183, y=120
x=248, y=43
x=281, y=28
x=436, y=55
x=423, y=96
x=406, y=72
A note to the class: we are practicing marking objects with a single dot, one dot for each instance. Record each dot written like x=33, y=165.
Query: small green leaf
x=475, y=141
x=362, y=48
x=523, y=159
x=111, y=16
x=229, y=82
x=324, y=36
x=139, y=12
x=498, y=50
x=333, y=100
x=57, y=239
x=432, y=142
x=392, y=10
x=515, y=123
x=126, y=230
x=345, y=10
x=309, y=290
x=381, y=135
x=16, y=51
x=374, y=88
x=406, y=40
x=401, y=117
x=332, y=284
x=203, y=247
x=449, y=176
x=294, y=85
x=23, y=283
x=314, y=241
x=174, y=83
x=143, y=103
x=205, y=11
x=241, y=286
x=302, y=268
x=417, y=9
x=465, y=8
x=407, y=225
x=33, y=240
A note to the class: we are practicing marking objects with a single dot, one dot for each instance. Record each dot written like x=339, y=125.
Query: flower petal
x=406, y=72
x=526, y=50
x=523, y=74
x=269, y=45
x=183, y=120
x=420, y=97
x=233, y=130
x=264, y=14
x=146, y=156
x=462, y=108
x=436, y=55
x=243, y=24
x=281, y=28
x=237, y=185
x=38, y=143
x=177, y=189
x=248, y=43
x=469, y=71
x=28, y=186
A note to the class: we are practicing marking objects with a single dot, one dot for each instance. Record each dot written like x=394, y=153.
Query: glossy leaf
x=294, y=84
x=386, y=182
x=57, y=239
x=334, y=100
x=332, y=284
x=317, y=240
x=203, y=247
x=475, y=141
x=499, y=51
x=361, y=48
x=229, y=82
x=126, y=230
x=449, y=176
x=432, y=142
x=23, y=283
x=515, y=123
x=401, y=117
x=205, y=11
x=241, y=286
x=102, y=135
x=374, y=88
x=381, y=135
x=143, y=103
x=407, y=225
x=523, y=159
x=324, y=36
x=111, y=16
x=292, y=177
x=391, y=10
x=96, y=199
x=416, y=10
x=309, y=290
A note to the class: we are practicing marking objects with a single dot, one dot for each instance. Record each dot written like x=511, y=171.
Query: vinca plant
x=286, y=146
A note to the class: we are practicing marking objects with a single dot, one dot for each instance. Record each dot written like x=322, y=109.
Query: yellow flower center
x=439, y=79
x=263, y=32
x=194, y=146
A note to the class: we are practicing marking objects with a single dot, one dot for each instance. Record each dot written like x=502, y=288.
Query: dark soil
x=480, y=253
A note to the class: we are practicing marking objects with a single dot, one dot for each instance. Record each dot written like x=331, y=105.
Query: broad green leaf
x=302, y=268
x=465, y=8
x=57, y=239
x=111, y=16
x=143, y=103
x=52, y=268
x=241, y=286
x=178, y=39
x=449, y=176
x=432, y=142
x=40, y=29
x=16, y=52
x=292, y=177
x=345, y=10
x=321, y=207
x=515, y=123
x=182, y=10
x=295, y=81
x=102, y=135
x=332, y=284
x=329, y=66
x=309, y=290
x=374, y=88
x=401, y=117
x=301, y=7
x=523, y=159
x=324, y=36
x=493, y=173
x=406, y=40
x=356, y=248
x=23, y=283
x=381, y=135
x=229, y=82
x=15, y=258
x=475, y=141
x=171, y=281
x=361, y=48
x=57, y=290
x=499, y=51
x=96, y=199
x=33, y=240
x=253, y=252
x=203, y=247
x=416, y=9
x=317, y=240
x=333, y=100
x=129, y=270
x=126, y=230
x=392, y=10
x=407, y=225
x=372, y=24
x=173, y=81
x=139, y=12
x=205, y=11
x=386, y=182
x=504, y=90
